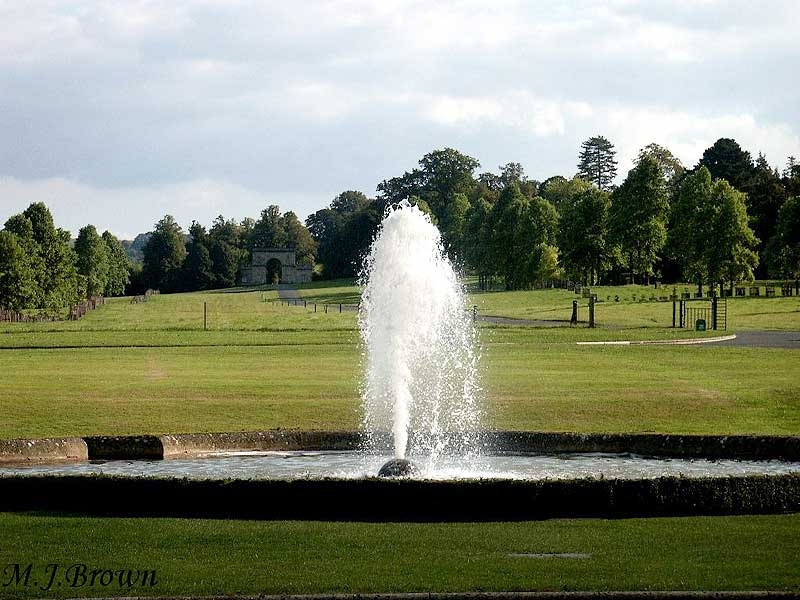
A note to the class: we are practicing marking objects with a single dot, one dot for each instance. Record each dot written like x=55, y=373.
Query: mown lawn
x=216, y=557
x=527, y=386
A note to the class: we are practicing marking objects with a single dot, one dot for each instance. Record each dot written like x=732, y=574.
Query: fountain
x=420, y=388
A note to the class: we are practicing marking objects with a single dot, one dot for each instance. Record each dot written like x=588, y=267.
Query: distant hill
x=134, y=247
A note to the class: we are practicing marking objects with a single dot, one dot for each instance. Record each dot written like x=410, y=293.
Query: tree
x=729, y=251
x=58, y=281
x=343, y=232
x=725, y=159
x=766, y=194
x=477, y=241
x=453, y=224
x=690, y=212
x=299, y=239
x=671, y=167
x=638, y=217
x=583, y=235
x=224, y=241
x=561, y=192
x=17, y=275
x=53, y=258
x=785, y=245
x=269, y=231
x=198, y=271
x=710, y=234
x=119, y=266
x=522, y=231
x=442, y=175
x=163, y=255
x=597, y=162
x=92, y=260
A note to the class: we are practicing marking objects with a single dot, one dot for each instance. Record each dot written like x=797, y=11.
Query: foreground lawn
x=204, y=557
x=527, y=386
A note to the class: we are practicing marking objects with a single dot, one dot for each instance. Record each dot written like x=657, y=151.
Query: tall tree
x=523, y=235
x=17, y=274
x=163, y=255
x=198, y=271
x=726, y=160
x=119, y=266
x=785, y=244
x=583, y=235
x=597, y=162
x=224, y=241
x=59, y=280
x=53, y=258
x=299, y=239
x=690, y=214
x=638, y=217
x=343, y=232
x=671, y=166
x=766, y=194
x=477, y=241
x=710, y=234
x=92, y=260
x=730, y=251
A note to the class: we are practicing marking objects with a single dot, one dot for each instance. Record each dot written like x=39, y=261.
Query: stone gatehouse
x=274, y=265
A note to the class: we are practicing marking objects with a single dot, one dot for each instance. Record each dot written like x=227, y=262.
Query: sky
x=116, y=113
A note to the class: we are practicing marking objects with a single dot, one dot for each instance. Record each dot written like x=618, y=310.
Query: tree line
x=727, y=219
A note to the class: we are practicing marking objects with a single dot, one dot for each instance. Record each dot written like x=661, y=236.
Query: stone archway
x=265, y=263
x=274, y=270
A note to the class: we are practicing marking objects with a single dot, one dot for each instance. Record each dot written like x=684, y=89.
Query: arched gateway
x=268, y=264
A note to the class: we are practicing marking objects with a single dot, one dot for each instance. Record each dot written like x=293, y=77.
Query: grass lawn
x=527, y=386
x=150, y=368
x=205, y=557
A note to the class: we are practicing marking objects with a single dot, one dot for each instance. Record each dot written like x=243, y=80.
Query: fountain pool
x=352, y=465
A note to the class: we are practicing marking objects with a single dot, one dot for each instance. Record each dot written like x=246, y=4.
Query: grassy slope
x=203, y=557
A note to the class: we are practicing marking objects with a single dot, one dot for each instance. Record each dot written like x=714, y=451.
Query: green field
x=150, y=368
x=205, y=557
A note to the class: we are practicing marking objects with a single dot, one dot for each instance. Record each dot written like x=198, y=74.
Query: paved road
x=766, y=339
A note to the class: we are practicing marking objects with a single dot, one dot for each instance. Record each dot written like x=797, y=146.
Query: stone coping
x=184, y=445
x=43, y=450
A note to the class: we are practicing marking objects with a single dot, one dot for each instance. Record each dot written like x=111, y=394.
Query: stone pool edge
x=187, y=445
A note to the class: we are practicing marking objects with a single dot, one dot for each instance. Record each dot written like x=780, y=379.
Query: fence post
x=714, y=312
x=574, y=319
x=205, y=317
x=673, y=312
x=340, y=307
x=591, y=310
